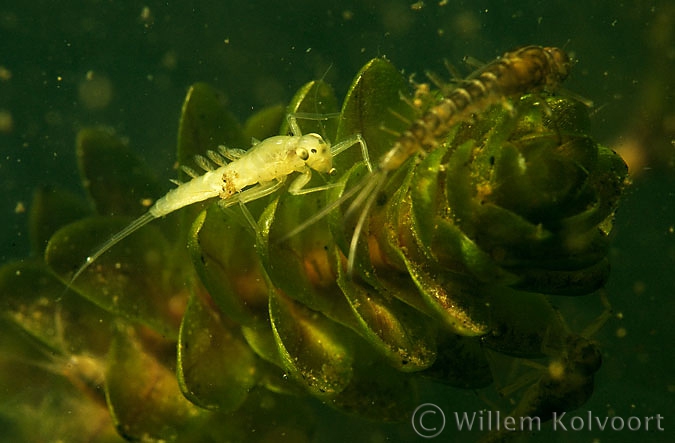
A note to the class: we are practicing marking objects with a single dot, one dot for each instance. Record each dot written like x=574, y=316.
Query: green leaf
x=314, y=350
x=303, y=266
x=264, y=123
x=35, y=396
x=378, y=392
x=134, y=279
x=458, y=190
x=453, y=248
x=523, y=322
x=51, y=352
x=143, y=394
x=51, y=209
x=262, y=342
x=206, y=123
x=571, y=282
x=222, y=248
x=424, y=196
x=118, y=182
x=401, y=334
x=372, y=103
x=35, y=300
x=461, y=362
x=453, y=298
x=567, y=116
x=216, y=368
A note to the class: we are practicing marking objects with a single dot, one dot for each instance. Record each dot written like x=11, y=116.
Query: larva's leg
x=251, y=194
x=348, y=143
x=252, y=223
x=293, y=119
x=297, y=186
x=293, y=124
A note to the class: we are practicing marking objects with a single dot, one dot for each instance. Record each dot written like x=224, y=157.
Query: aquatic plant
x=205, y=325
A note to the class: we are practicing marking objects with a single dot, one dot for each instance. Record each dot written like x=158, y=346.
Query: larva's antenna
x=370, y=191
x=326, y=209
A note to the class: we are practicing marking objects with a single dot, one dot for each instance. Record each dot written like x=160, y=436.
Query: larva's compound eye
x=319, y=155
x=302, y=154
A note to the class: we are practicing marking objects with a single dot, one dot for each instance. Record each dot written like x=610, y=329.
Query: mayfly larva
x=525, y=70
x=250, y=175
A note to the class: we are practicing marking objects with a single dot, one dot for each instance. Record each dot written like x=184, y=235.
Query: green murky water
x=63, y=68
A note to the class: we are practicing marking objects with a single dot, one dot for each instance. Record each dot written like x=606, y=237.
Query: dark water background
x=127, y=65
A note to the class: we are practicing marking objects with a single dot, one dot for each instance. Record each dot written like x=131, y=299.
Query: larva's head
x=315, y=152
x=560, y=66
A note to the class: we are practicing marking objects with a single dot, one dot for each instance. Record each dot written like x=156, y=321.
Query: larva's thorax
x=275, y=158
x=271, y=158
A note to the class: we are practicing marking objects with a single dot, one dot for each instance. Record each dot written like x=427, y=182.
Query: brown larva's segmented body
x=525, y=70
